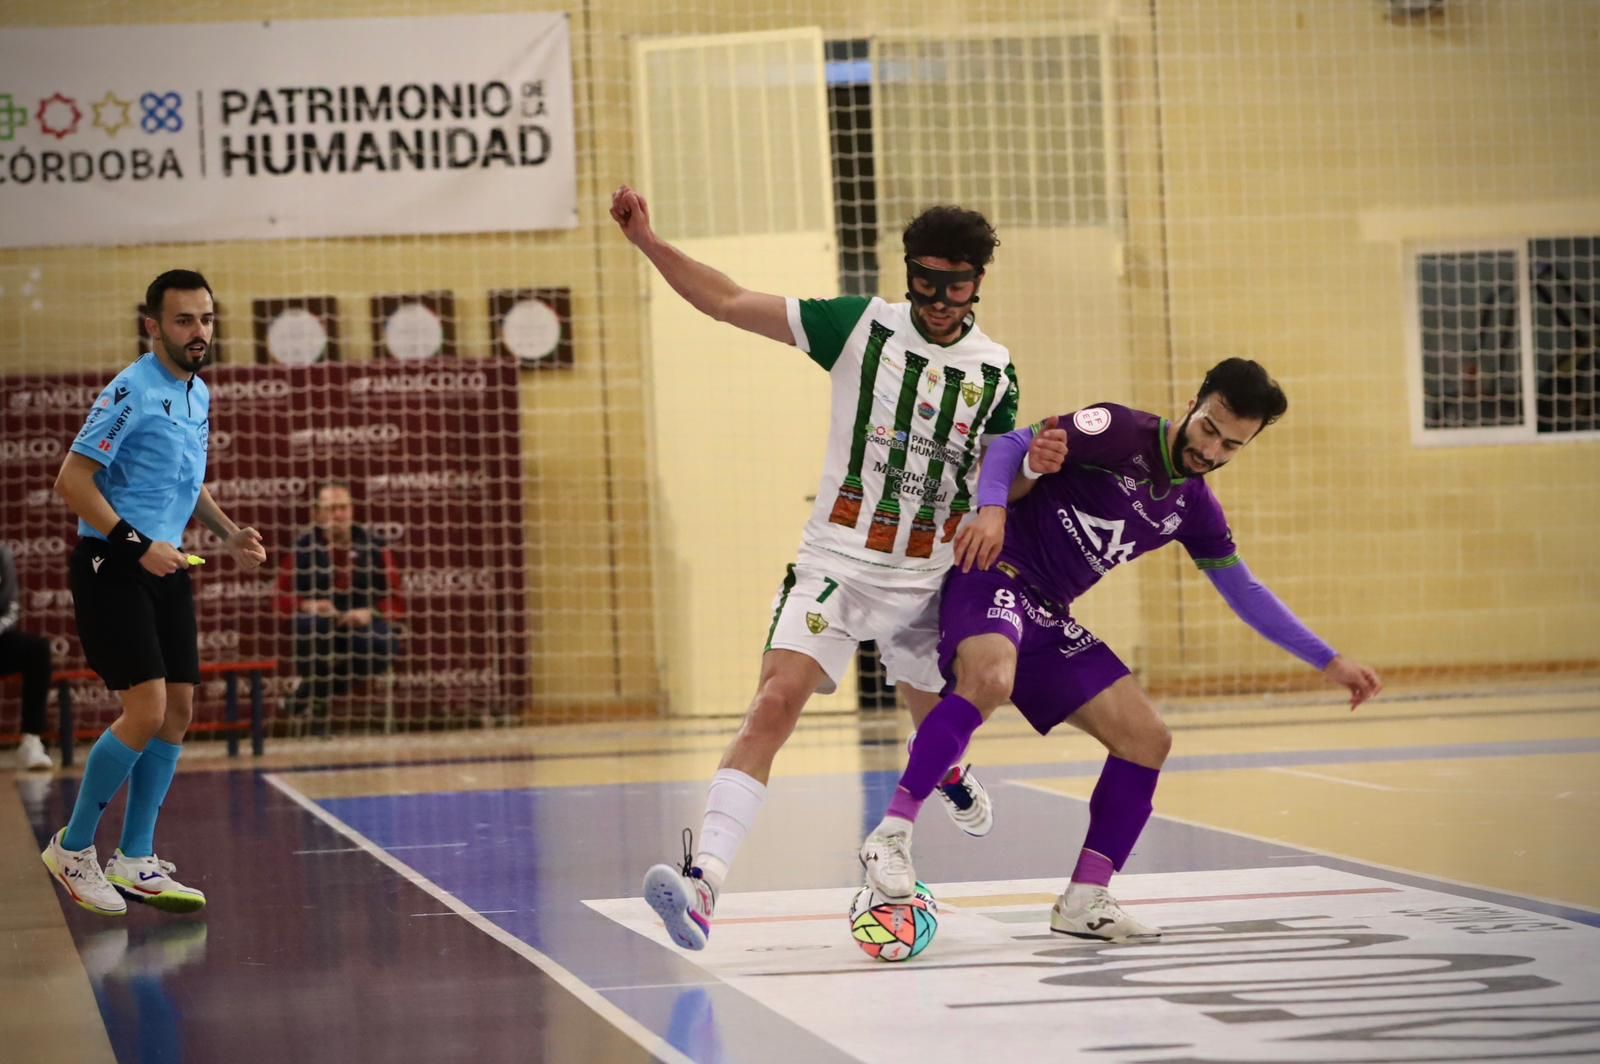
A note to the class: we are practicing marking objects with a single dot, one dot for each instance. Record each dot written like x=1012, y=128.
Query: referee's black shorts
x=133, y=626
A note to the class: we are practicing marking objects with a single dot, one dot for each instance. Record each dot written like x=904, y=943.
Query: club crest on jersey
x=971, y=392
x=816, y=623
x=1170, y=525
x=1092, y=420
x=933, y=378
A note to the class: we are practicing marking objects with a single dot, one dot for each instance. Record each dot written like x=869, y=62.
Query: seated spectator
x=30, y=655
x=340, y=586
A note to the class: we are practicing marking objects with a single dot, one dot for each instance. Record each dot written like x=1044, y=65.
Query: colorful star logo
x=57, y=108
x=111, y=113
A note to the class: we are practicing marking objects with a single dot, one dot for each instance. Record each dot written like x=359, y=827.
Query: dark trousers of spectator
x=29, y=655
x=328, y=657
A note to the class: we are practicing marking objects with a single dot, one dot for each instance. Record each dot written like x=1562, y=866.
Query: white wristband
x=1027, y=469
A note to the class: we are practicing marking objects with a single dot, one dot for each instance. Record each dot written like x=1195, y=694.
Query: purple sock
x=1119, y=808
x=941, y=741
x=1093, y=868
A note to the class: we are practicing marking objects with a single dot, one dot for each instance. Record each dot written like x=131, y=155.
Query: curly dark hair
x=1247, y=389
x=954, y=233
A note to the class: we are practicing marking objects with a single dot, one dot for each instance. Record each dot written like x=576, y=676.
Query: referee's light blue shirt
x=149, y=431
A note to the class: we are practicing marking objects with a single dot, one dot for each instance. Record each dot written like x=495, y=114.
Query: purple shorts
x=1060, y=664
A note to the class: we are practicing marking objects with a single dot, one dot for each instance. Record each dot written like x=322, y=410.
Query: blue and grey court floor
x=1415, y=882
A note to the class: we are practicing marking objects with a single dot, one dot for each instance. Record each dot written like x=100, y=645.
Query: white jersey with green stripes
x=904, y=435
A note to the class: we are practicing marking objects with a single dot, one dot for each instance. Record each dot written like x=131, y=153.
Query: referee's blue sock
x=108, y=766
x=147, y=789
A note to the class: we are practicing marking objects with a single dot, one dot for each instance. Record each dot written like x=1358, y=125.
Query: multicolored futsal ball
x=893, y=930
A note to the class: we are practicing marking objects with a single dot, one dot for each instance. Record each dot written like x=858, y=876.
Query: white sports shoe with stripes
x=148, y=880
x=967, y=802
x=886, y=858
x=78, y=873
x=1087, y=911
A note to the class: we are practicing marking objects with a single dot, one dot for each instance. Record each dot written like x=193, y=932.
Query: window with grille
x=1505, y=341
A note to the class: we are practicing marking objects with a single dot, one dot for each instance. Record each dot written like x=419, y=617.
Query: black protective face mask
x=942, y=281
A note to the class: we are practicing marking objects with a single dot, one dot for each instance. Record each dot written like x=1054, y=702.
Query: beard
x=186, y=360
x=1189, y=462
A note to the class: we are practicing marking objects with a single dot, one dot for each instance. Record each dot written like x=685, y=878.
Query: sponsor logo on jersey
x=962, y=428
x=1092, y=420
x=1170, y=525
x=926, y=410
x=1009, y=616
x=816, y=623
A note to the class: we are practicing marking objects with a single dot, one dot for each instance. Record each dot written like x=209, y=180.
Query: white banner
x=267, y=130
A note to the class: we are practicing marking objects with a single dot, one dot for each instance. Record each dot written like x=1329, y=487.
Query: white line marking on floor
x=652, y=1043
x=333, y=849
x=1307, y=774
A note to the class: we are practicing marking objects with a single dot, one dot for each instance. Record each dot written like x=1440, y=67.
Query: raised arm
x=1262, y=610
x=710, y=291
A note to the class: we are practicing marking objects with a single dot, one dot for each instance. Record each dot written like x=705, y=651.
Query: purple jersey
x=1116, y=498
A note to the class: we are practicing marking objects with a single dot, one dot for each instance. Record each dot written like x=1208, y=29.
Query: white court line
x=1429, y=877
x=1307, y=774
x=480, y=912
x=332, y=849
x=429, y=846
x=650, y=1041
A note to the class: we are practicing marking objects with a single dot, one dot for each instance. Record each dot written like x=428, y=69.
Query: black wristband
x=128, y=541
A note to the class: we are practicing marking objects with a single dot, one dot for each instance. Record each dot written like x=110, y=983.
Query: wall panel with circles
x=414, y=326
x=533, y=326
x=301, y=331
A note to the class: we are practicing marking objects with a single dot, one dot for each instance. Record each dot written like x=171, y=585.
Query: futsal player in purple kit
x=1130, y=482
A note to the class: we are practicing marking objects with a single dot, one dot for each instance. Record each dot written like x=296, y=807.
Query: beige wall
x=1258, y=142
x=1277, y=142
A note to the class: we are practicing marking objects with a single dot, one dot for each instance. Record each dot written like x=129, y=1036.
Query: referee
x=134, y=476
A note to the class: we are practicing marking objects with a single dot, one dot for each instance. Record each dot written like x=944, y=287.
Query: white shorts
x=825, y=615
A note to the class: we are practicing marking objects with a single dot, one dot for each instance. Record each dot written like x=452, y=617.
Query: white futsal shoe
x=967, y=802
x=32, y=756
x=78, y=872
x=149, y=880
x=1087, y=911
x=886, y=857
x=682, y=898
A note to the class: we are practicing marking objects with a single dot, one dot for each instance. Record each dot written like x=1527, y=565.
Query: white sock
x=731, y=806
